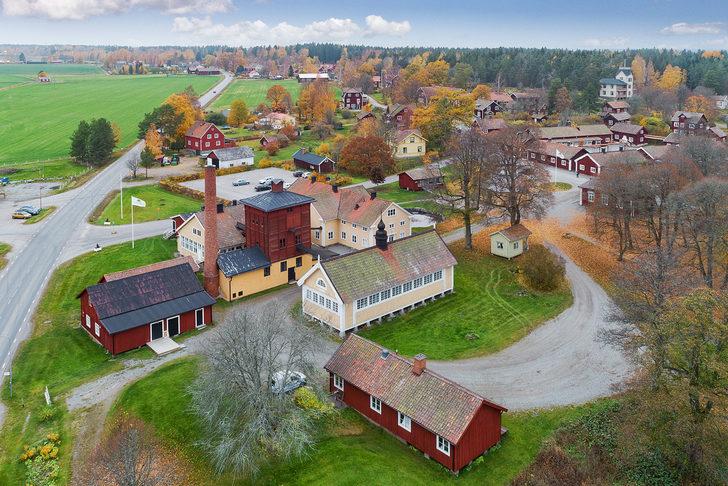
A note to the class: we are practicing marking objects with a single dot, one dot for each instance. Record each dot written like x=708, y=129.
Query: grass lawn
x=559, y=186
x=4, y=250
x=350, y=450
x=488, y=311
x=45, y=115
x=44, y=213
x=60, y=355
x=161, y=204
x=52, y=169
x=392, y=192
x=253, y=92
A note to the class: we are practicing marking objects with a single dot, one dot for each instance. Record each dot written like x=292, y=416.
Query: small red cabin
x=421, y=178
x=203, y=137
x=447, y=422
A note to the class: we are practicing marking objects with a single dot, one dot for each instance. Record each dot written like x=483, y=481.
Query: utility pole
x=10, y=375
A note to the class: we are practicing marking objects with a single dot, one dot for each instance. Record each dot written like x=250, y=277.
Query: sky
x=586, y=24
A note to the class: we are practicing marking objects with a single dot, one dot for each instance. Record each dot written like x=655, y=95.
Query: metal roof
x=233, y=153
x=615, y=81
x=273, y=200
x=157, y=312
x=309, y=157
x=240, y=261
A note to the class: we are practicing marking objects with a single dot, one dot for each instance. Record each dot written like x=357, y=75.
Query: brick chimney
x=419, y=364
x=211, y=244
x=277, y=186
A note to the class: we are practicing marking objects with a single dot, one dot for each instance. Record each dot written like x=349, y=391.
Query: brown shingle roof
x=368, y=271
x=622, y=116
x=434, y=402
x=515, y=232
x=550, y=148
x=629, y=128
x=228, y=235
x=500, y=97
x=198, y=129
x=154, y=266
x=574, y=132
x=489, y=124
x=618, y=105
x=423, y=173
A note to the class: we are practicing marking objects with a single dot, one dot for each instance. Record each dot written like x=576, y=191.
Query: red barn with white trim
x=204, y=137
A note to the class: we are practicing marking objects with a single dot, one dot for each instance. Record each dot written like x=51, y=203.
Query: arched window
x=320, y=282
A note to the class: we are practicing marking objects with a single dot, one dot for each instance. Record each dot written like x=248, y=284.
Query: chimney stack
x=385, y=353
x=334, y=188
x=211, y=244
x=276, y=186
x=419, y=364
x=380, y=237
x=313, y=179
x=373, y=195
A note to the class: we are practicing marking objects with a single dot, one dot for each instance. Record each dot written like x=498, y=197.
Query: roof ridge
x=362, y=250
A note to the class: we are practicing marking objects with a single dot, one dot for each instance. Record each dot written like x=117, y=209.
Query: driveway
x=226, y=190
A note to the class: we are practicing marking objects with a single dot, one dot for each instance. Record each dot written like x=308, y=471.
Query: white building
x=619, y=87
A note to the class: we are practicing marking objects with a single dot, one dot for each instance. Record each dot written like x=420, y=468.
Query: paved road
x=23, y=280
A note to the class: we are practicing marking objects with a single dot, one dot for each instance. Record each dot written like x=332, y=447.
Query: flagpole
x=121, y=191
x=132, y=224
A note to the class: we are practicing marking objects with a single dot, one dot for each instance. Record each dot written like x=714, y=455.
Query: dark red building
x=447, y=422
x=203, y=137
x=352, y=98
x=617, y=106
x=421, y=178
x=303, y=159
x=127, y=310
x=629, y=133
x=400, y=115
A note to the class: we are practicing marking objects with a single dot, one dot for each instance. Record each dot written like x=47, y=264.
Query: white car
x=282, y=384
x=306, y=175
x=286, y=185
x=265, y=181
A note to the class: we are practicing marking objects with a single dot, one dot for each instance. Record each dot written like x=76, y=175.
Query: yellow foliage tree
x=639, y=71
x=368, y=127
x=481, y=91
x=185, y=106
x=317, y=102
x=324, y=150
x=436, y=72
x=712, y=54
x=116, y=130
x=672, y=77
x=153, y=141
x=446, y=109
x=702, y=104
x=239, y=113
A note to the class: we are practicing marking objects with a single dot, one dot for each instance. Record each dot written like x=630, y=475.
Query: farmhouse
x=425, y=178
x=614, y=118
x=125, y=312
x=593, y=163
x=409, y=143
x=392, y=277
x=487, y=125
x=597, y=136
x=487, y=108
x=311, y=77
x=348, y=216
x=203, y=137
x=303, y=159
x=619, y=87
x=556, y=154
x=353, y=98
x=615, y=106
x=510, y=242
x=231, y=157
x=440, y=418
x=400, y=115
x=685, y=123
x=629, y=133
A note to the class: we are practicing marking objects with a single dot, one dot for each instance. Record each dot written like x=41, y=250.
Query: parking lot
x=226, y=190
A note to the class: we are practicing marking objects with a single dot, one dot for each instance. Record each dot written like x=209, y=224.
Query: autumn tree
x=279, y=99
x=709, y=156
x=317, y=102
x=153, y=141
x=272, y=147
x=185, y=106
x=515, y=186
x=165, y=117
x=368, y=127
x=289, y=131
x=367, y=156
x=562, y=101
x=239, y=113
x=672, y=77
x=702, y=104
x=481, y=91
x=639, y=72
x=438, y=119
x=116, y=130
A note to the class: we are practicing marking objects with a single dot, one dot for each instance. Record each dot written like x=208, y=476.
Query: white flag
x=135, y=201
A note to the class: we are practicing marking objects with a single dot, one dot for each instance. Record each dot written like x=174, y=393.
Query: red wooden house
x=616, y=106
x=421, y=178
x=447, y=422
x=127, y=311
x=400, y=115
x=303, y=159
x=203, y=137
x=556, y=154
x=629, y=133
x=352, y=98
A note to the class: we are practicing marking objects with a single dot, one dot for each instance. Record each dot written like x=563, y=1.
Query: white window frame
x=88, y=321
x=375, y=404
x=197, y=321
x=338, y=382
x=391, y=212
x=404, y=421
x=97, y=329
x=443, y=445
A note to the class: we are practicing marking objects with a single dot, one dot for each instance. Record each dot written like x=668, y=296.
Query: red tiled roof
x=151, y=268
x=515, y=232
x=434, y=402
x=198, y=129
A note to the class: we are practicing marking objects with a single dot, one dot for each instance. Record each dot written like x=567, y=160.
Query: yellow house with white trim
x=409, y=143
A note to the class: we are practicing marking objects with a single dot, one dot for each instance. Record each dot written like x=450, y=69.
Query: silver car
x=282, y=384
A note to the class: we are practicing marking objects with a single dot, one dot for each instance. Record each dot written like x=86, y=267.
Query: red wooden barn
x=447, y=422
x=303, y=159
x=421, y=178
x=203, y=137
x=129, y=309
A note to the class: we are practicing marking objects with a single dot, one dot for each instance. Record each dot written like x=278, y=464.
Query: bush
x=42, y=472
x=47, y=413
x=272, y=148
x=346, y=114
x=265, y=163
x=217, y=118
x=542, y=269
x=306, y=399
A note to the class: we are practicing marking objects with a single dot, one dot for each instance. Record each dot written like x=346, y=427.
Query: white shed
x=510, y=242
x=232, y=157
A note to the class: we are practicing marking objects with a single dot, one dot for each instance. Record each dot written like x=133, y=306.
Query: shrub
x=290, y=132
x=542, y=269
x=306, y=399
x=42, y=472
x=552, y=466
x=272, y=148
x=342, y=180
x=265, y=163
x=347, y=114
x=47, y=413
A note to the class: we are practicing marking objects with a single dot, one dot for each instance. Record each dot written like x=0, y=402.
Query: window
x=391, y=226
x=396, y=290
x=338, y=382
x=404, y=421
x=320, y=282
x=605, y=199
x=438, y=275
x=499, y=245
x=581, y=166
x=373, y=299
x=407, y=287
x=298, y=239
x=401, y=223
x=331, y=235
x=361, y=303
x=404, y=150
x=343, y=222
x=418, y=282
x=317, y=235
x=515, y=245
x=343, y=235
x=334, y=306
x=97, y=329
x=375, y=404
x=391, y=238
x=209, y=136
x=284, y=266
x=353, y=238
x=412, y=139
x=428, y=279
x=266, y=272
x=353, y=225
x=419, y=148
x=281, y=242
x=385, y=294
x=88, y=321
x=590, y=196
x=200, y=316
x=443, y=445
x=299, y=261
x=391, y=212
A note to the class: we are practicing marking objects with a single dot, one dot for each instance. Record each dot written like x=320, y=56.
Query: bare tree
x=133, y=163
x=131, y=456
x=246, y=421
x=710, y=156
x=514, y=185
x=464, y=192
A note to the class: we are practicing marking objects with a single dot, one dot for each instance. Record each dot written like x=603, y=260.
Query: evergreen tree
x=147, y=160
x=79, y=142
x=100, y=142
x=21, y=57
x=290, y=71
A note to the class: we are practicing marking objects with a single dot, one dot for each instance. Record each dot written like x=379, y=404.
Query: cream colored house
x=352, y=290
x=510, y=242
x=409, y=143
x=348, y=216
x=191, y=233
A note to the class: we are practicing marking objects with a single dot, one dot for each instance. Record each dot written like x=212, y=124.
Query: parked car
x=297, y=173
x=306, y=175
x=4, y=181
x=29, y=209
x=262, y=187
x=280, y=383
x=267, y=180
x=240, y=182
x=286, y=185
x=21, y=215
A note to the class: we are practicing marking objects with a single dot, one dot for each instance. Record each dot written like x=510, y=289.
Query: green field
x=43, y=116
x=4, y=250
x=161, y=204
x=488, y=311
x=392, y=192
x=253, y=92
x=11, y=74
x=60, y=355
x=350, y=450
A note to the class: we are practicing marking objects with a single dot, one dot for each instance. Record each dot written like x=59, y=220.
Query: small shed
x=232, y=157
x=510, y=242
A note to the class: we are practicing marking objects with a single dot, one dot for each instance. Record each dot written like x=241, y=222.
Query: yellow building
x=191, y=233
x=409, y=143
x=352, y=290
x=510, y=242
x=348, y=216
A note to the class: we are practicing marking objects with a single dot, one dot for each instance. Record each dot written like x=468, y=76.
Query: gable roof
x=309, y=157
x=550, y=148
x=691, y=116
x=275, y=200
x=620, y=117
x=654, y=152
x=240, y=261
x=139, y=299
x=402, y=134
x=575, y=131
x=672, y=138
x=490, y=124
x=228, y=234
x=618, y=105
x=629, y=128
x=365, y=114
x=423, y=173
x=352, y=91
x=717, y=132
x=514, y=233
x=604, y=159
x=153, y=267
x=233, y=153
x=199, y=129
x=434, y=402
x=370, y=270
x=500, y=97
x=614, y=81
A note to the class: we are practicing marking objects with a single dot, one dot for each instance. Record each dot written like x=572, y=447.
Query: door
x=156, y=330
x=173, y=326
x=199, y=317
x=292, y=274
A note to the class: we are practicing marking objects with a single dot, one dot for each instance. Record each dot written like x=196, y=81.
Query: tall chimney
x=211, y=246
x=419, y=364
x=277, y=185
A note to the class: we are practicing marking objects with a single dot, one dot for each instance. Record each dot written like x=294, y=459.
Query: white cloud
x=378, y=25
x=247, y=32
x=81, y=9
x=605, y=42
x=684, y=28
